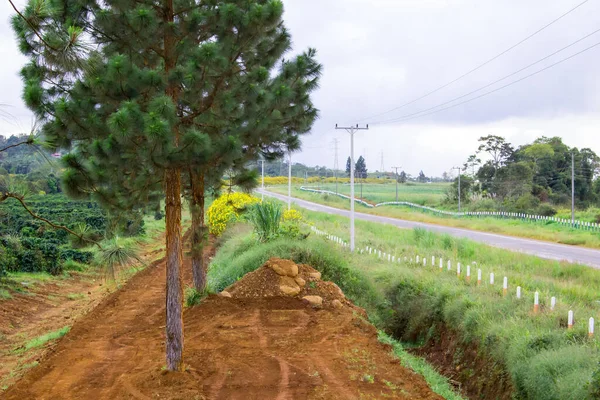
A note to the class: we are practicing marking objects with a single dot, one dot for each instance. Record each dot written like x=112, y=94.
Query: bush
x=193, y=297
x=227, y=209
x=84, y=257
x=546, y=210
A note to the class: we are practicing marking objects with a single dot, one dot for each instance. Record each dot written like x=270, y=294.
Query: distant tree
x=497, y=148
x=348, y=166
x=466, y=186
x=422, y=178
x=445, y=176
x=402, y=178
x=471, y=163
x=360, y=168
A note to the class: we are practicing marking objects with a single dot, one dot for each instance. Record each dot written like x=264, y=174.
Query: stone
x=225, y=293
x=315, y=275
x=283, y=267
x=301, y=282
x=289, y=290
x=313, y=301
x=337, y=304
x=338, y=289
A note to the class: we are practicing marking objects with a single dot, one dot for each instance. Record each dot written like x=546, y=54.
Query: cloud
x=379, y=54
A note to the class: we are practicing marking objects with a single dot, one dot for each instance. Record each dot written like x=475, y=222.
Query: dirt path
x=275, y=348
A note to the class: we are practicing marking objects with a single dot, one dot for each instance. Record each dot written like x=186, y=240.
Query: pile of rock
x=280, y=277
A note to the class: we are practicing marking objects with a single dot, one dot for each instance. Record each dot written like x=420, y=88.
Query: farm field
x=37, y=307
x=427, y=194
x=548, y=232
x=494, y=344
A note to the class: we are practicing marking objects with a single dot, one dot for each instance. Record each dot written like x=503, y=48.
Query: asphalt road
x=538, y=248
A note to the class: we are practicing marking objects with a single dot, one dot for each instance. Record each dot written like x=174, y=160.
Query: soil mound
x=263, y=342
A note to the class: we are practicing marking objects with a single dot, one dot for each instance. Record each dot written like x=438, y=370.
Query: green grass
x=5, y=294
x=550, y=231
x=42, y=340
x=75, y=296
x=542, y=357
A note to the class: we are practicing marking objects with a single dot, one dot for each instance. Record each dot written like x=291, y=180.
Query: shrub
x=292, y=215
x=193, y=297
x=266, y=218
x=83, y=257
x=546, y=210
x=226, y=209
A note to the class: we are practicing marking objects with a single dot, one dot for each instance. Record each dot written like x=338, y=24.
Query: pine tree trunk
x=198, y=231
x=174, y=297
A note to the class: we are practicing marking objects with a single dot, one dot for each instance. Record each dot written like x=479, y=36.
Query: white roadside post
x=478, y=277
x=536, y=302
x=351, y=130
x=519, y=292
x=458, y=270
x=468, y=274
x=491, y=278
x=591, y=327
x=449, y=265
x=505, y=286
x=552, y=303
x=570, y=320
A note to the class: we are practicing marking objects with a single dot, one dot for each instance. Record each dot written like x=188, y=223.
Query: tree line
x=531, y=174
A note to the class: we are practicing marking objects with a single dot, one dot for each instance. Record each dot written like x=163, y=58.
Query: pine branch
x=7, y=195
x=31, y=26
x=28, y=141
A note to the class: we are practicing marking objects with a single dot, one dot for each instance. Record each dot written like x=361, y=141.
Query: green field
x=427, y=194
x=550, y=232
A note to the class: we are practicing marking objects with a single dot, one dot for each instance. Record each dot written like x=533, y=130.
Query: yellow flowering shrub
x=292, y=216
x=226, y=209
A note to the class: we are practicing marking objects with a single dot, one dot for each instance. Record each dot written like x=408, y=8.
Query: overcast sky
x=380, y=54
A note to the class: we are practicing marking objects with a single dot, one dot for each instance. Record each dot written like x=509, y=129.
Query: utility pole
x=335, y=163
x=396, y=168
x=262, y=197
x=382, y=165
x=572, y=188
x=289, y=180
x=458, y=168
x=352, y=130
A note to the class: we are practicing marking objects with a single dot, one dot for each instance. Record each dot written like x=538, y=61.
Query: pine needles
x=116, y=254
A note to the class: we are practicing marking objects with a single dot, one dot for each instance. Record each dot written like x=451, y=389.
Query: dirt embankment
x=256, y=344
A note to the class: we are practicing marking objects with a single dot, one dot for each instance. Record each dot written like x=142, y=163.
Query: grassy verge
x=240, y=254
x=550, y=232
x=544, y=359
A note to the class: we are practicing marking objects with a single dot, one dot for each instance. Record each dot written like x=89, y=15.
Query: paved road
x=538, y=248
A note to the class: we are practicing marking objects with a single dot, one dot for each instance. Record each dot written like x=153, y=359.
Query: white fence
x=447, y=265
x=588, y=226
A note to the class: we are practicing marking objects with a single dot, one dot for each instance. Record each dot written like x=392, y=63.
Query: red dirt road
x=235, y=348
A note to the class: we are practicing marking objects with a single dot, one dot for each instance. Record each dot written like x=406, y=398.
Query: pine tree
x=145, y=93
x=360, y=168
x=348, y=166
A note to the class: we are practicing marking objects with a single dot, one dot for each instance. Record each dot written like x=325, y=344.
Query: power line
x=480, y=65
x=494, y=82
x=412, y=116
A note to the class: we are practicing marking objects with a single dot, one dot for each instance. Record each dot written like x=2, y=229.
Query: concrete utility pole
x=289, y=180
x=572, y=188
x=262, y=197
x=382, y=165
x=335, y=163
x=458, y=168
x=396, y=168
x=352, y=130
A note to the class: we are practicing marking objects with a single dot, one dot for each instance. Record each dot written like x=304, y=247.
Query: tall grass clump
x=266, y=219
